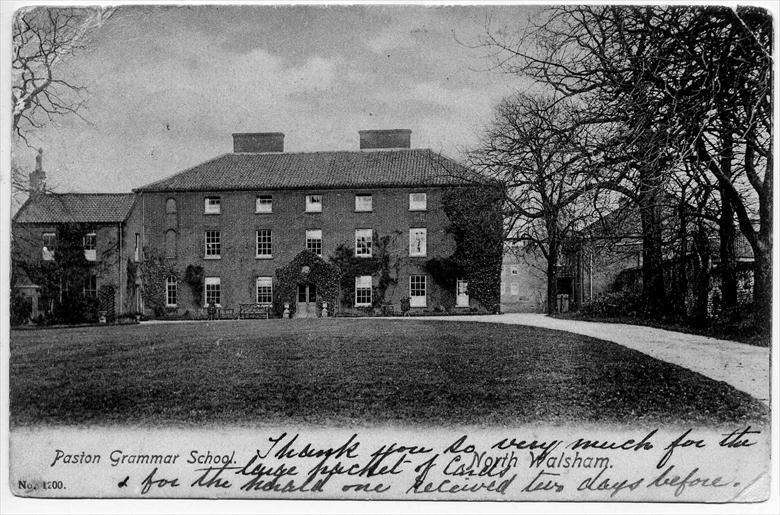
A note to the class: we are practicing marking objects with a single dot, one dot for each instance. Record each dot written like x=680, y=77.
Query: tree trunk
x=762, y=281
x=702, y=276
x=680, y=288
x=653, y=288
x=726, y=228
x=552, y=286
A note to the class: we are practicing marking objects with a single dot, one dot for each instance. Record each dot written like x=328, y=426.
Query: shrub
x=21, y=308
x=614, y=304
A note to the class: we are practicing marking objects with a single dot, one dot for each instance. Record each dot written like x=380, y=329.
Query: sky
x=166, y=86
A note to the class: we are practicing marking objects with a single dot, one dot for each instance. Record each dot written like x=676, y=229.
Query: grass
x=351, y=372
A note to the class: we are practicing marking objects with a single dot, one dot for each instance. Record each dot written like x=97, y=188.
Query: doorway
x=461, y=297
x=306, y=306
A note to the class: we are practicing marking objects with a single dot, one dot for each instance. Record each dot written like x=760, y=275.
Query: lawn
x=351, y=372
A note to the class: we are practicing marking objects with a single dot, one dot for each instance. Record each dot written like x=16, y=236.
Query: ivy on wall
x=62, y=280
x=195, y=277
x=154, y=272
x=306, y=268
x=379, y=264
x=445, y=272
x=476, y=222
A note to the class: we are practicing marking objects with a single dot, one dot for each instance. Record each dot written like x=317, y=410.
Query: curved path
x=745, y=367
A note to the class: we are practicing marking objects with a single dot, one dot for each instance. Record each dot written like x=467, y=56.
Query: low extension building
x=102, y=220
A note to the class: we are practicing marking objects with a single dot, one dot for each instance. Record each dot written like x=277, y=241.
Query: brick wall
x=237, y=222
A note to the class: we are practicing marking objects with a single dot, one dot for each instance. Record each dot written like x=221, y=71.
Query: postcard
x=421, y=252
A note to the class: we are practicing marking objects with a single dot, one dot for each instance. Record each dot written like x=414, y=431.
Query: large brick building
x=241, y=217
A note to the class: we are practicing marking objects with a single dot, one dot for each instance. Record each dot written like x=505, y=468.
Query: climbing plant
x=62, y=280
x=154, y=271
x=476, y=223
x=306, y=267
x=379, y=264
x=132, y=273
x=195, y=278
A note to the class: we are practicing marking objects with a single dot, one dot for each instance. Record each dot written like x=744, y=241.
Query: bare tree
x=537, y=149
x=43, y=39
x=681, y=85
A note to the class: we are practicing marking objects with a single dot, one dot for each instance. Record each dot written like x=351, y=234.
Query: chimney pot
x=257, y=142
x=388, y=138
x=38, y=176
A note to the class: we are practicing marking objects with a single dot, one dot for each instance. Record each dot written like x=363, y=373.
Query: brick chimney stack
x=38, y=176
x=258, y=142
x=388, y=138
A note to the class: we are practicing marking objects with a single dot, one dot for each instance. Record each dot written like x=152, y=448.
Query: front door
x=462, y=298
x=307, y=301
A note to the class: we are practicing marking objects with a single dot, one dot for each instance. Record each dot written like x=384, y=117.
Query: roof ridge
x=299, y=152
x=62, y=193
x=151, y=184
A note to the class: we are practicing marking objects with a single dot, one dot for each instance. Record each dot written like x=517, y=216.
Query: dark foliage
x=306, y=267
x=477, y=224
x=21, y=309
x=195, y=278
x=155, y=269
x=614, y=304
x=379, y=264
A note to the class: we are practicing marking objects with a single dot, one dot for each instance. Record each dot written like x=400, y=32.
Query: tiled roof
x=76, y=207
x=344, y=169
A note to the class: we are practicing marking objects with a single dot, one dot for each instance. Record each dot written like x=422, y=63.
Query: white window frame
x=264, y=282
x=313, y=235
x=137, y=252
x=218, y=243
x=311, y=206
x=171, y=285
x=210, y=207
x=90, y=252
x=364, y=206
x=368, y=235
x=363, y=284
x=417, y=301
x=90, y=276
x=47, y=254
x=413, y=252
x=270, y=242
x=263, y=207
x=418, y=205
x=212, y=281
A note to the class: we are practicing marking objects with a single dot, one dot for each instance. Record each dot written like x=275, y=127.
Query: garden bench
x=226, y=313
x=252, y=311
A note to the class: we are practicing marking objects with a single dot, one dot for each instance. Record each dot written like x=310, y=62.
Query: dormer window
x=212, y=206
x=314, y=203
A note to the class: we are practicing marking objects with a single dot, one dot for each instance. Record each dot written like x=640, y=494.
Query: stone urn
x=286, y=313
